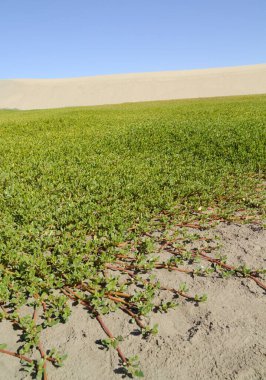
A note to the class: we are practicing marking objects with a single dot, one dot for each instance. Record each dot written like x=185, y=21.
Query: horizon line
x=136, y=73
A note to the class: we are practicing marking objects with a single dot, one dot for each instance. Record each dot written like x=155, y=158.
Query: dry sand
x=111, y=89
x=222, y=339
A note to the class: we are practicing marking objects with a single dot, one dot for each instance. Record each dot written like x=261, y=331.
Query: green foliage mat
x=76, y=184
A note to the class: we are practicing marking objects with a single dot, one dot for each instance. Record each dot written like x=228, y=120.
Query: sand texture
x=221, y=339
x=111, y=89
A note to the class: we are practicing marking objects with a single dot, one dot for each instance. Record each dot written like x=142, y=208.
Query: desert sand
x=111, y=89
x=222, y=339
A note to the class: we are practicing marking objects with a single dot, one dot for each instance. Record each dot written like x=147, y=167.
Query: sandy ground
x=221, y=339
x=111, y=89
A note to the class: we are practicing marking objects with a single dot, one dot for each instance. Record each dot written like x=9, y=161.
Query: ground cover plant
x=87, y=193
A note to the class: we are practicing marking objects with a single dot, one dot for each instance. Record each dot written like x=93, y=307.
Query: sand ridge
x=122, y=88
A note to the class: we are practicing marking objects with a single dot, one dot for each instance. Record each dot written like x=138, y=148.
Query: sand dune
x=111, y=89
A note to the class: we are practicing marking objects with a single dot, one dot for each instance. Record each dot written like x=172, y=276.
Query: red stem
x=35, y=316
x=44, y=363
x=73, y=295
x=21, y=357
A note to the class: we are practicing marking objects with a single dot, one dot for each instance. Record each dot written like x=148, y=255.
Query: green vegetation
x=82, y=190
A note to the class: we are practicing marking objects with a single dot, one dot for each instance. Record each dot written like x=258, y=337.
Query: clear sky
x=70, y=38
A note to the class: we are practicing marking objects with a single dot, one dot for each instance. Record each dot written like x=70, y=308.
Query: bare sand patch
x=112, y=89
x=223, y=338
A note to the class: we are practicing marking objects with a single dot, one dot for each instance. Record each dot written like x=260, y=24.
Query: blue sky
x=63, y=38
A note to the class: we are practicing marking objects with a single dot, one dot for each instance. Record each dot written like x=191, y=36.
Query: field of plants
x=83, y=192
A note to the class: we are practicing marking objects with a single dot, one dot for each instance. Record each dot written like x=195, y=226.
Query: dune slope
x=111, y=89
